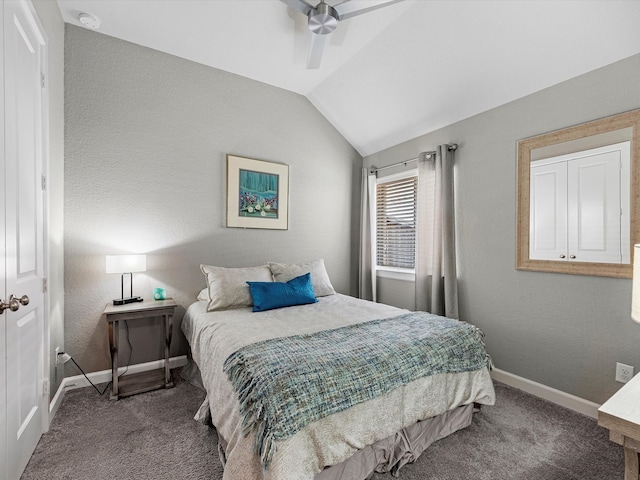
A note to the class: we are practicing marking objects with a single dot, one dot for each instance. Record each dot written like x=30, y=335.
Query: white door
x=595, y=200
x=23, y=259
x=578, y=206
x=548, y=211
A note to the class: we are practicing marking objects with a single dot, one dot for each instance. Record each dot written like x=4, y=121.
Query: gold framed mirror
x=622, y=129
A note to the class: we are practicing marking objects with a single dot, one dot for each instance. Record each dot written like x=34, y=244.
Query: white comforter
x=213, y=336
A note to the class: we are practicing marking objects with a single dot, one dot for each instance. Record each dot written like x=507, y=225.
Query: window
x=396, y=221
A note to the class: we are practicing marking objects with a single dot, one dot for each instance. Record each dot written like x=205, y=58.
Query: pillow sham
x=228, y=286
x=270, y=295
x=283, y=272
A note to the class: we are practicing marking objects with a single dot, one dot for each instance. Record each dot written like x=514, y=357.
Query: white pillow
x=283, y=272
x=228, y=286
x=204, y=294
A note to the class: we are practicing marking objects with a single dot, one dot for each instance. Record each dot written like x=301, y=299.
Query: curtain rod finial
x=453, y=147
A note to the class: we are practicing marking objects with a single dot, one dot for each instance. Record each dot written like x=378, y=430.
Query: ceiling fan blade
x=351, y=8
x=299, y=5
x=315, y=51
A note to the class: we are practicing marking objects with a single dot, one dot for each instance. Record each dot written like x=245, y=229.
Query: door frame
x=3, y=376
x=46, y=334
x=44, y=120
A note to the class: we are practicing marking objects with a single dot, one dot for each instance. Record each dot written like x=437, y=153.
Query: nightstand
x=621, y=415
x=143, y=381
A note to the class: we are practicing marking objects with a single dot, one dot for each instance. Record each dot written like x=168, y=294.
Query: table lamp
x=635, y=293
x=126, y=265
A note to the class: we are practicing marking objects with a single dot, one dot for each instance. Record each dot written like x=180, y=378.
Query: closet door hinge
x=44, y=182
x=42, y=80
x=44, y=285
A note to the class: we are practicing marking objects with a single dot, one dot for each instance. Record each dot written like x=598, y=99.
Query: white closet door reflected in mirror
x=579, y=206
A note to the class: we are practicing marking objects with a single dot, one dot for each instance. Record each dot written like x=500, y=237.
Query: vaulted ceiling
x=395, y=73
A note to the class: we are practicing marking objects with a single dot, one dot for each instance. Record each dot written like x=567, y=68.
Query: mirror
x=621, y=128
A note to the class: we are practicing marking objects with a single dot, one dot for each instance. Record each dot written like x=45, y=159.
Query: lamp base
x=124, y=301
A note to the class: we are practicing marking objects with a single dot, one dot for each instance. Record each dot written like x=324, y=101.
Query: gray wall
x=399, y=293
x=564, y=331
x=51, y=20
x=146, y=136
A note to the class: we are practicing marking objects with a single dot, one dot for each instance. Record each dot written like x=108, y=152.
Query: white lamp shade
x=126, y=263
x=635, y=296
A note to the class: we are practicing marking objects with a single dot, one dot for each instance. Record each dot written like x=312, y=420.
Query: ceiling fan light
x=323, y=19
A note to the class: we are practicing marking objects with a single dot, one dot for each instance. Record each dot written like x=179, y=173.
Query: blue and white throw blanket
x=284, y=384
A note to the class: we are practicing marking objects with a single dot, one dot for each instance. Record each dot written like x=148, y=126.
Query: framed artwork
x=257, y=194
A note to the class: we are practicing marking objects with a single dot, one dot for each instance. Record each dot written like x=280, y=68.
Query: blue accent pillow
x=270, y=295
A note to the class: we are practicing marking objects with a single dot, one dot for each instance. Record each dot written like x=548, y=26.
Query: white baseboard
x=558, y=397
x=79, y=381
x=56, y=401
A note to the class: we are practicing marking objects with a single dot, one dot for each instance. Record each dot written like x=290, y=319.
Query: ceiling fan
x=324, y=18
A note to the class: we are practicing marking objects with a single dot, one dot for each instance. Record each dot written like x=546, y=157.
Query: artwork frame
x=257, y=193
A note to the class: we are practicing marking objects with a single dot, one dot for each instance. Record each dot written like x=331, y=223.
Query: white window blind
x=396, y=222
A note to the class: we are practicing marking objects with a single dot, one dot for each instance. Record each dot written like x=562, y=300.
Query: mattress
x=214, y=336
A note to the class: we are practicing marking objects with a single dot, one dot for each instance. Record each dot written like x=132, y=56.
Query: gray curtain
x=367, y=274
x=436, y=282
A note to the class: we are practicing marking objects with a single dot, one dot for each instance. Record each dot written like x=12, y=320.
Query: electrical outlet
x=624, y=373
x=64, y=358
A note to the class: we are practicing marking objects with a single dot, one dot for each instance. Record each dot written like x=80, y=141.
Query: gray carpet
x=153, y=436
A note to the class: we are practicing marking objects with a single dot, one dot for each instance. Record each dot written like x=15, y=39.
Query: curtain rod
x=374, y=169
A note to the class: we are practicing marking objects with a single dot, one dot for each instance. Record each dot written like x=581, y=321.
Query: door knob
x=14, y=303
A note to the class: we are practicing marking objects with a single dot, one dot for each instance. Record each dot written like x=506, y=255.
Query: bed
x=377, y=432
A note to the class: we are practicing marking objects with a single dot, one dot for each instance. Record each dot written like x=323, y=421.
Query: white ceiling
x=393, y=74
